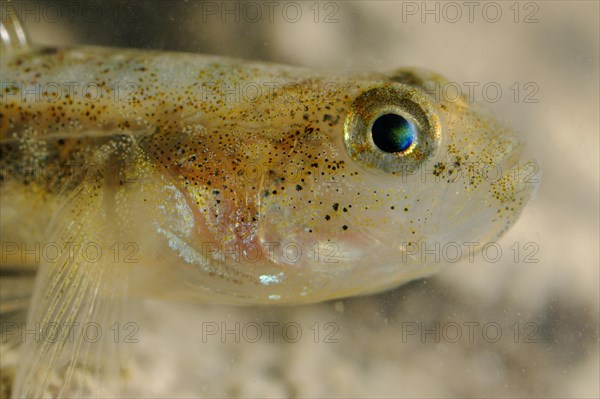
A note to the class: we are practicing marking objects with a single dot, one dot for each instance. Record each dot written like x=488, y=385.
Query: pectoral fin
x=72, y=346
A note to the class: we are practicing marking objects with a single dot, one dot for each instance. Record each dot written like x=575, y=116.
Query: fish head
x=329, y=187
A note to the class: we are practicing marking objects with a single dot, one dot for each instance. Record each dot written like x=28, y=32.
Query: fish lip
x=521, y=171
x=523, y=163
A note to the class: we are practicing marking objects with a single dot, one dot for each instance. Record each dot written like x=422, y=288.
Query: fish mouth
x=522, y=167
x=486, y=197
x=515, y=184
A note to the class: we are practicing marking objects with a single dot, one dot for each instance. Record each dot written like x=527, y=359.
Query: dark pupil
x=393, y=133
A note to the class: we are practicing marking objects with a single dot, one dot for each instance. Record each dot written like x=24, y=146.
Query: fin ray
x=74, y=297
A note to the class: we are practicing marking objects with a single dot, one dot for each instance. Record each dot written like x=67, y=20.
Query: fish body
x=146, y=173
x=239, y=172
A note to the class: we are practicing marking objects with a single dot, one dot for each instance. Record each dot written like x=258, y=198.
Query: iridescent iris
x=392, y=128
x=393, y=133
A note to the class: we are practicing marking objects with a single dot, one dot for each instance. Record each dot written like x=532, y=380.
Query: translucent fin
x=70, y=347
x=12, y=33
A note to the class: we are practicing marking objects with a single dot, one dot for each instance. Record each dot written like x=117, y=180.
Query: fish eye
x=393, y=133
x=391, y=128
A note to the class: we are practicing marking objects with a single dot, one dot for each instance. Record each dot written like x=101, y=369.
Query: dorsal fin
x=12, y=33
